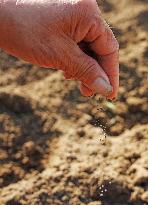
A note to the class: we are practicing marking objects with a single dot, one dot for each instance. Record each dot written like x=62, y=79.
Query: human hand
x=55, y=33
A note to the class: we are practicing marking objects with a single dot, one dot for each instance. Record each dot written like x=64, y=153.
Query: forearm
x=6, y=20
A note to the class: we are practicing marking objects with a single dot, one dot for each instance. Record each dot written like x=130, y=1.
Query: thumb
x=87, y=70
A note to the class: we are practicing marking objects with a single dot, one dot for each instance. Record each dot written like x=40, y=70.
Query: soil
x=59, y=148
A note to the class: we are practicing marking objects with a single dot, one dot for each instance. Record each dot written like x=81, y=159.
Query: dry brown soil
x=52, y=148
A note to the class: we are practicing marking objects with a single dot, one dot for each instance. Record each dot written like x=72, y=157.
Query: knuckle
x=85, y=73
x=114, y=47
x=86, y=7
x=112, y=41
x=116, y=44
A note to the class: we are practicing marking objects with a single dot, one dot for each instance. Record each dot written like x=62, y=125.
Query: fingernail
x=114, y=99
x=101, y=86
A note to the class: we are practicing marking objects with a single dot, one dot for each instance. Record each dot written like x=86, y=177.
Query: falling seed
x=110, y=105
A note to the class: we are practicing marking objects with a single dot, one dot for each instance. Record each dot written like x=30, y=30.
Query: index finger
x=103, y=42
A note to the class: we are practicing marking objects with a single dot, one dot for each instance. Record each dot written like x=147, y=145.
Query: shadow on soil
x=22, y=138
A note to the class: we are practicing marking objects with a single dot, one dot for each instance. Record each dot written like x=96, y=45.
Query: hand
x=55, y=33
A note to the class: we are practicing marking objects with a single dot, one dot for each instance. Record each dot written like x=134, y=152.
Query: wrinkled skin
x=54, y=34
